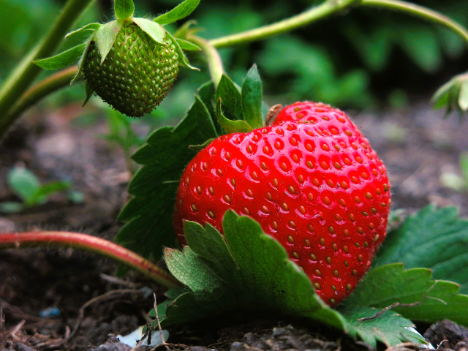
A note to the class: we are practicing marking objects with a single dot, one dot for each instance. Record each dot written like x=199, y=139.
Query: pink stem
x=90, y=243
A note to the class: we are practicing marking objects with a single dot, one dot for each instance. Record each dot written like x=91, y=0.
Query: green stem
x=212, y=56
x=40, y=90
x=419, y=11
x=89, y=243
x=314, y=14
x=26, y=71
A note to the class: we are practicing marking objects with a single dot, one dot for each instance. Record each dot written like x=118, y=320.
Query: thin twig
x=159, y=324
x=398, y=304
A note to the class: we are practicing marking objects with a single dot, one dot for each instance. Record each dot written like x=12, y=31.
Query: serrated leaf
x=183, y=61
x=248, y=272
x=228, y=125
x=24, y=183
x=231, y=96
x=390, y=328
x=177, y=13
x=252, y=98
x=148, y=215
x=105, y=37
x=62, y=60
x=432, y=238
x=244, y=270
x=153, y=29
x=124, y=9
x=188, y=45
x=431, y=300
x=90, y=27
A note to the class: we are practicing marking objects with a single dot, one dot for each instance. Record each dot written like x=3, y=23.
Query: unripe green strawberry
x=136, y=74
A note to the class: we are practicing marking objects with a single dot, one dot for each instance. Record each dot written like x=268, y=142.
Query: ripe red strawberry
x=311, y=180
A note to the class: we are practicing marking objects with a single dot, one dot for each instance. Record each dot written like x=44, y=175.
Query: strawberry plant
x=275, y=210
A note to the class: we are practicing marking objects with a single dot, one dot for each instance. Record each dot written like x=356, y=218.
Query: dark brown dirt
x=416, y=144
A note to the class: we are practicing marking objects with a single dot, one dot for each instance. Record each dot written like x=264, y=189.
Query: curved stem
x=40, y=90
x=26, y=71
x=90, y=243
x=314, y=14
x=212, y=56
x=419, y=11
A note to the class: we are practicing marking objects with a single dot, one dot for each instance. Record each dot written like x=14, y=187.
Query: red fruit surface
x=311, y=180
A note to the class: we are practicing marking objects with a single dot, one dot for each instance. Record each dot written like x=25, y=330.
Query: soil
x=417, y=145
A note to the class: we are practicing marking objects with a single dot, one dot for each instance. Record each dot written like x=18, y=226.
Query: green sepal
x=185, y=30
x=81, y=61
x=89, y=93
x=183, y=61
x=453, y=95
x=252, y=98
x=90, y=27
x=153, y=29
x=62, y=60
x=200, y=147
x=105, y=37
x=230, y=93
x=188, y=45
x=124, y=9
x=177, y=13
x=230, y=126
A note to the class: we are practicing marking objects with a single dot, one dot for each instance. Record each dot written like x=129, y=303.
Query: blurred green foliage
x=365, y=59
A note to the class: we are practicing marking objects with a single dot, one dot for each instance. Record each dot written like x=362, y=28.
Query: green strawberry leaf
x=153, y=29
x=62, y=60
x=231, y=126
x=148, y=215
x=177, y=13
x=243, y=270
x=432, y=238
x=183, y=61
x=188, y=45
x=231, y=96
x=390, y=328
x=246, y=271
x=425, y=299
x=124, y=9
x=105, y=37
x=90, y=27
x=252, y=98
